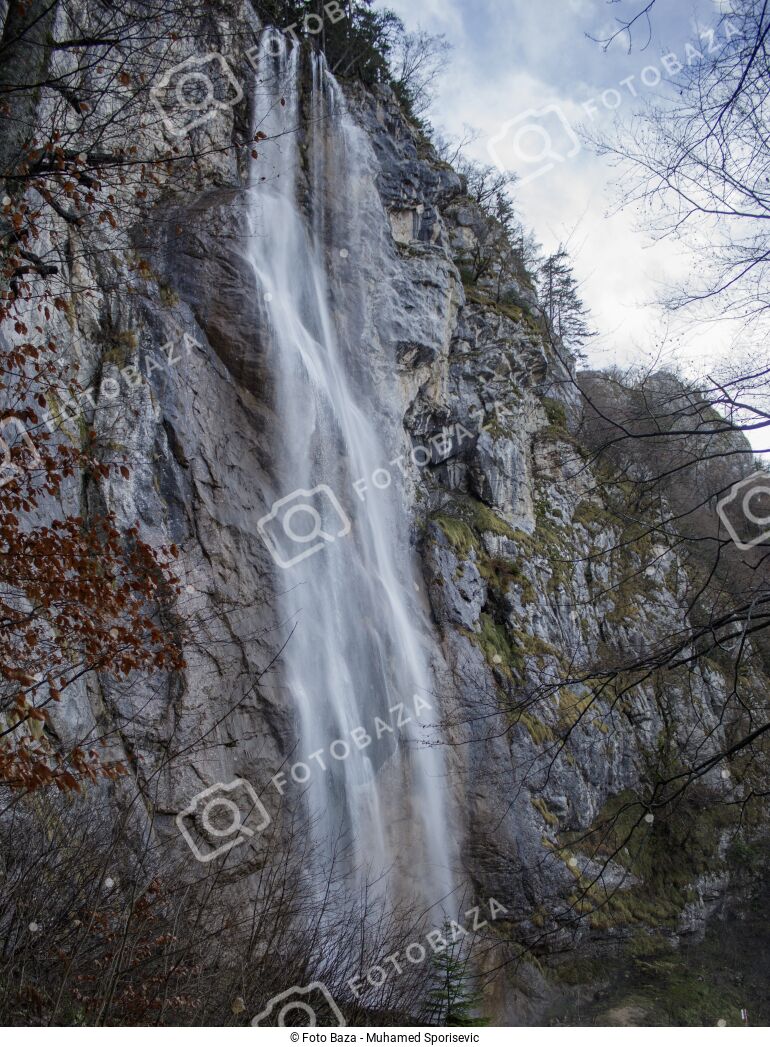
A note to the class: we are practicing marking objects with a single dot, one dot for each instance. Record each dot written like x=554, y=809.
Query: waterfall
x=358, y=644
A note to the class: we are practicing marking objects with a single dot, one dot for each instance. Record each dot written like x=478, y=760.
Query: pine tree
x=453, y=998
x=564, y=310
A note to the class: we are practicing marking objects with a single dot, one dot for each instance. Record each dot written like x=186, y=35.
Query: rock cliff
x=532, y=576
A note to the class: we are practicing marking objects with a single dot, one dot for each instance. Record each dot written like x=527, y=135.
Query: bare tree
x=417, y=60
x=698, y=166
x=103, y=922
x=627, y=23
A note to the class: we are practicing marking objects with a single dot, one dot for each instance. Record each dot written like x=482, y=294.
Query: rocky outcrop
x=533, y=577
x=526, y=570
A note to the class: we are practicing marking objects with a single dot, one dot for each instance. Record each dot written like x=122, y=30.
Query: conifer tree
x=564, y=310
x=453, y=998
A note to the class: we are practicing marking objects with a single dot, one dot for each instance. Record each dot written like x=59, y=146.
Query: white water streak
x=360, y=645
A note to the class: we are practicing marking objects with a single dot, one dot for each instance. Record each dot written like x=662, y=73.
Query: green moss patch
x=666, y=854
x=555, y=412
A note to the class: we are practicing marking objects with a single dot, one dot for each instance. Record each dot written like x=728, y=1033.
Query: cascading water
x=356, y=663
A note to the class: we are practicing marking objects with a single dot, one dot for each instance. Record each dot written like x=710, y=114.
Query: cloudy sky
x=528, y=77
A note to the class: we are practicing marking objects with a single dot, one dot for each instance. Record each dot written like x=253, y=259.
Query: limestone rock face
x=521, y=573
x=201, y=252
x=506, y=522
